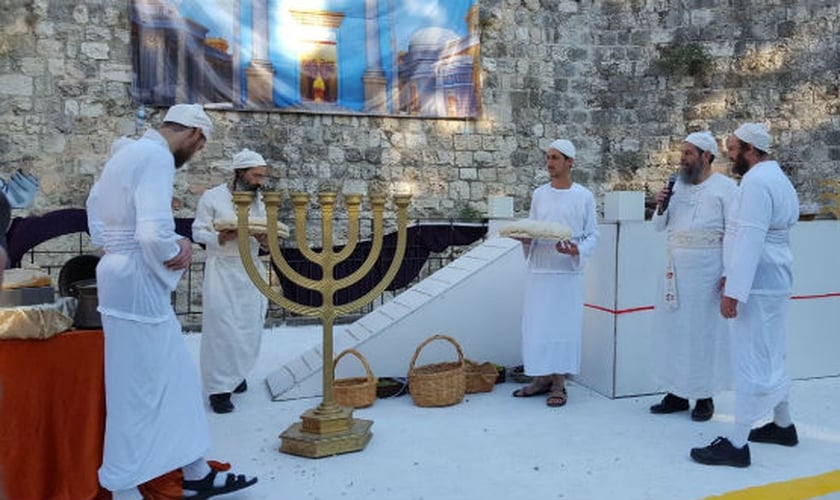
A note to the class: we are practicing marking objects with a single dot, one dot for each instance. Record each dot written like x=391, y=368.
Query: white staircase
x=476, y=299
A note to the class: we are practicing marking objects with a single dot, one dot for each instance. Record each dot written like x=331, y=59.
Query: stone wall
x=588, y=70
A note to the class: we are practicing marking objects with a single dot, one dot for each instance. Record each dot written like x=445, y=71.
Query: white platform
x=477, y=299
x=620, y=293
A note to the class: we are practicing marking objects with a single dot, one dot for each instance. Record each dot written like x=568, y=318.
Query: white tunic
x=757, y=264
x=691, y=338
x=552, y=316
x=233, y=312
x=155, y=414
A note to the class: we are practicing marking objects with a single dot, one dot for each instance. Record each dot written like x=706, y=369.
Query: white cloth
x=191, y=115
x=757, y=264
x=552, y=316
x=564, y=146
x=233, y=308
x=703, y=140
x=690, y=338
x=247, y=159
x=755, y=134
x=155, y=414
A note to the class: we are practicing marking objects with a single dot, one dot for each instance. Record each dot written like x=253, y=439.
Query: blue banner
x=381, y=57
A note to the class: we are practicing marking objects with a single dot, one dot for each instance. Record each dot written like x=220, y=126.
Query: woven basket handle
x=359, y=356
x=430, y=339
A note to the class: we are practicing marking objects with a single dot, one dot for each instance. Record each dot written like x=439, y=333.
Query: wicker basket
x=355, y=392
x=480, y=377
x=438, y=384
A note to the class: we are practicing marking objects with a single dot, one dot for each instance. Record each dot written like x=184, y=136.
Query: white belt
x=120, y=241
x=695, y=239
x=685, y=239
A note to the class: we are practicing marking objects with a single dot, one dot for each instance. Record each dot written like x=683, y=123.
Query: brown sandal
x=556, y=399
x=534, y=389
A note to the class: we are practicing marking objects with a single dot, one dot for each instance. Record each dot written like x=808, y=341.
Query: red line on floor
x=650, y=308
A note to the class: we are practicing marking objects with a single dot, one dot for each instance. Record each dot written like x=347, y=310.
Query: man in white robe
x=233, y=312
x=552, y=317
x=691, y=340
x=155, y=419
x=757, y=267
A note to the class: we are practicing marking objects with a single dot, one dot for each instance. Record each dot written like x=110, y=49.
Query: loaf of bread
x=536, y=229
x=256, y=225
x=25, y=278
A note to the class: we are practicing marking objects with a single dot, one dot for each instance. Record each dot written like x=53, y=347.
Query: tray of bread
x=256, y=225
x=22, y=287
x=536, y=229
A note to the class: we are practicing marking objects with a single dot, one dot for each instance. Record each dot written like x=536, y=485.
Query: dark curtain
x=421, y=241
x=26, y=233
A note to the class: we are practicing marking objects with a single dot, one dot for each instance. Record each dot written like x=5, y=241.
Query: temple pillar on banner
x=260, y=73
x=376, y=85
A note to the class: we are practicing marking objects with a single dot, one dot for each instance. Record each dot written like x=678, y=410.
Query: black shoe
x=241, y=387
x=205, y=488
x=703, y=410
x=221, y=402
x=721, y=452
x=772, y=433
x=670, y=404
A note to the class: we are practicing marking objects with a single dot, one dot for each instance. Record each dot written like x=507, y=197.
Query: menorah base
x=297, y=441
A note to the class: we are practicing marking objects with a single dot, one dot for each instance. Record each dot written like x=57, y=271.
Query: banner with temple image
x=380, y=57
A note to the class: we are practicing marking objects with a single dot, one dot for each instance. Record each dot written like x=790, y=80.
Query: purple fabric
x=25, y=233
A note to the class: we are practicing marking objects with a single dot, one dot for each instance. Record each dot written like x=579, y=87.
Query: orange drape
x=52, y=416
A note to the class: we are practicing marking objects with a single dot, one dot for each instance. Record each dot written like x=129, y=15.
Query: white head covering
x=247, y=159
x=755, y=134
x=564, y=146
x=703, y=140
x=190, y=115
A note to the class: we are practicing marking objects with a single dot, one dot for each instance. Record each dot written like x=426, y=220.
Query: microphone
x=671, y=181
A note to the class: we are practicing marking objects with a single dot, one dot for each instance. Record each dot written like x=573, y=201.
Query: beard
x=740, y=165
x=181, y=156
x=689, y=174
x=241, y=184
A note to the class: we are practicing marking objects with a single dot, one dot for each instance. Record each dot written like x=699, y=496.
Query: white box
x=500, y=207
x=624, y=205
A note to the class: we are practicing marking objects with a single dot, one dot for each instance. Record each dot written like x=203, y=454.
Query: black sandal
x=205, y=489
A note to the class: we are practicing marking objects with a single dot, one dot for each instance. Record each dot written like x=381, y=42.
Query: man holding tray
x=552, y=318
x=233, y=308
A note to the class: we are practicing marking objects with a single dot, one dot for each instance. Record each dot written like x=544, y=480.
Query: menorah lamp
x=328, y=429
x=832, y=196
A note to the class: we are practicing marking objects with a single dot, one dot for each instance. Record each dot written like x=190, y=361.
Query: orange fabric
x=52, y=416
x=166, y=487
x=170, y=486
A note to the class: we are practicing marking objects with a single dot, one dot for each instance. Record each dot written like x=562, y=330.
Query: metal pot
x=86, y=314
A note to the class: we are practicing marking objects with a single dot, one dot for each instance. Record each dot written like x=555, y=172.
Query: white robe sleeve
x=155, y=230
x=202, y=228
x=660, y=222
x=588, y=240
x=747, y=245
x=95, y=225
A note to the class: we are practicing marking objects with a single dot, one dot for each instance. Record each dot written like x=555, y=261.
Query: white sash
x=685, y=239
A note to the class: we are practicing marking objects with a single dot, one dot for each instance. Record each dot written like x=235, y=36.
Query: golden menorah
x=328, y=429
x=832, y=196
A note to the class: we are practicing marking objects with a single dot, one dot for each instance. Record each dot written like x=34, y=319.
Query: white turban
x=564, y=146
x=703, y=140
x=190, y=115
x=247, y=159
x=755, y=134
